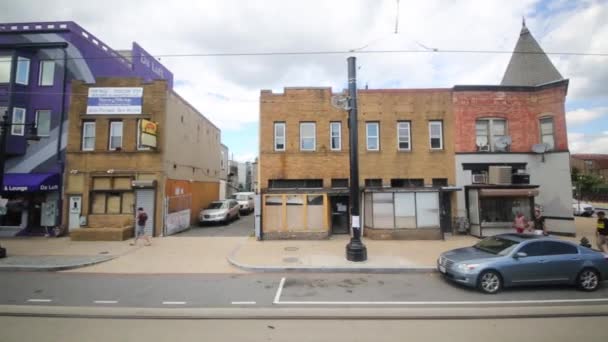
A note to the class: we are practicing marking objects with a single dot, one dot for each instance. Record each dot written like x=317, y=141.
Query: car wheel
x=588, y=280
x=489, y=282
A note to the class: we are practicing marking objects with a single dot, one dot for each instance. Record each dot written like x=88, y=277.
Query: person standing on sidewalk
x=520, y=223
x=140, y=227
x=602, y=232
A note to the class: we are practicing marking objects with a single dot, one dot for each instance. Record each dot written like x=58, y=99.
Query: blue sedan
x=516, y=259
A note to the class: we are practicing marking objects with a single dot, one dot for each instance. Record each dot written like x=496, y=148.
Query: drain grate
x=291, y=249
x=291, y=259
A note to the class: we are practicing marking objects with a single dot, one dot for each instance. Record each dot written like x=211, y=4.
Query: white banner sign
x=125, y=100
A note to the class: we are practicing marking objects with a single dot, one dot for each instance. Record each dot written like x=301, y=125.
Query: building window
x=279, y=136
x=487, y=132
x=373, y=182
x=401, y=210
x=18, y=123
x=339, y=183
x=47, y=73
x=43, y=123
x=23, y=71
x=115, y=136
x=503, y=209
x=439, y=182
x=112, y=196
x=407, y=182
x=295, y=183
x=403, y=136
x=436, y=135
x=546, y=132
x=5, y=69
x=88, y=136
x=335, y=136
x=307, y=136
x=140, y=147
x=372, y=130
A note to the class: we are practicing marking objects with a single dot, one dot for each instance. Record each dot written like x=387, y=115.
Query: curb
x=333, y=269
x=379, y=313
x=33, y=268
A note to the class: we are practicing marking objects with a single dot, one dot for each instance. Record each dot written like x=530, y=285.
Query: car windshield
x=242, y=197
x=496, y=245
x=217, y=205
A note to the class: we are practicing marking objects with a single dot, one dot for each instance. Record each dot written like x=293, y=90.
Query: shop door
x=145, y=199
x=446, y=212
x=339, y=215
x=75, y=210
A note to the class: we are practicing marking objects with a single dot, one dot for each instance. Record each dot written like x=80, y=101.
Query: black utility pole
x=355, y=250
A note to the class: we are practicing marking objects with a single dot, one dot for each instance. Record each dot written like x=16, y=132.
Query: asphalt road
x=241, y=227
x=269, y=291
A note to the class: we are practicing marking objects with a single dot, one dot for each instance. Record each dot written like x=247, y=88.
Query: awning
x=31, y=182
x=531, y=192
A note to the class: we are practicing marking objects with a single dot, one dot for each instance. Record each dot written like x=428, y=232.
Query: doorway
x=339, y=214
x=446, y=212
x=145, y=199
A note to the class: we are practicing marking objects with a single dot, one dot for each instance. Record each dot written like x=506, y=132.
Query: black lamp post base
x=356, y=251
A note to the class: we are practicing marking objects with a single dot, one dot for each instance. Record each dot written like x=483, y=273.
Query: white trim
x=431, y=123
x=244, y=303
x=409, y=136
x=36, y=122
x=41, y=70
x=314, y=136
x=367, y=136
x=16, y=124
x=472, y=302
x=138, y=138
x=277, y=124
x=277, y=296
x=113, y=124
x=27, y=73
x=84, y=124
x=339, y=148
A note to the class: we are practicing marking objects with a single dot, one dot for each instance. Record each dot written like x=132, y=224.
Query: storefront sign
x=125, y=100
x=149, y=131
x=31, y=182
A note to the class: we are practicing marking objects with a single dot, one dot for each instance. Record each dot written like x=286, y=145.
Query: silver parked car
x=220, y=211
x=518, y=259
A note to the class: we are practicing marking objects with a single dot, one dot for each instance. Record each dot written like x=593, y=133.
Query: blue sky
x=226, y=89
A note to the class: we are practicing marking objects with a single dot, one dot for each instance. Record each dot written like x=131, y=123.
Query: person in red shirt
x=520, y=223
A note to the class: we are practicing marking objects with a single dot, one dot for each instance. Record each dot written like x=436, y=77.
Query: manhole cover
x=291, y=259
x=291, y=249
x=105, y=252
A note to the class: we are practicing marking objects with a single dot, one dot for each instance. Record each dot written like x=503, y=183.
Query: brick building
x=406, y=160
x=591, y=164
x=119, y=159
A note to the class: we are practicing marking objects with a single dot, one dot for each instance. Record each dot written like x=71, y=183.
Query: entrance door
x=75, y=210
x=446, y=212
x=144, y=198
x=339, y=215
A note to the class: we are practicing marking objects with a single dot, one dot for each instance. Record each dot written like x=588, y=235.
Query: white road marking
x=105, y=301
x=244, y=303
x=173, y=303
x=279, y=290
x=481, y=302
x=34, y=300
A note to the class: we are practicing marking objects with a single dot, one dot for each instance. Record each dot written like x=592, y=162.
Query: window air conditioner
x=480, y=179
x=483, y=148
x=499, y=175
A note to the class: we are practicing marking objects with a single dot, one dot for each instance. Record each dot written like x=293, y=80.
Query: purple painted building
x=38, y=61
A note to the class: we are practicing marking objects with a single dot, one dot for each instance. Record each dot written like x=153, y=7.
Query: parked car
x=516, y=259
x=582, y=208
x=220, y=211
x=245, y=200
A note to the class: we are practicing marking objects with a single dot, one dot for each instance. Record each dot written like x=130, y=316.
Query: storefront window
x=504, y=209
x=383, y=210
x=401, y=210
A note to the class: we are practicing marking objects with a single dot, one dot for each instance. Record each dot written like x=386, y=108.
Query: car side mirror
x=520, y=255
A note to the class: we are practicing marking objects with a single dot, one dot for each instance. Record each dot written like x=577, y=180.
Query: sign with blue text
x=108, y=101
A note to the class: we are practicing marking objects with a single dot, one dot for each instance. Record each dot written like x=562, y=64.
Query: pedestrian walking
x=602, y=232
x=520, y=223
x=140, y=227
x=539, y=223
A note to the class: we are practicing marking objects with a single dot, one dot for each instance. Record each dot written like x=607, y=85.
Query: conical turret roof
x=529, y=65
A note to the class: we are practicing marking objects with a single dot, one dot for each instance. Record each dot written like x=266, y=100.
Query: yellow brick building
x=113, y=166
x=406, y=163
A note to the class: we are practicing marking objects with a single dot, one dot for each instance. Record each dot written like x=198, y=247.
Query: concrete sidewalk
x=330, y=255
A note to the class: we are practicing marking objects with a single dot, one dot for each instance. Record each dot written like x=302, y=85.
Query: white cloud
x=586, y=143
x=247, y=157
x=583, y=116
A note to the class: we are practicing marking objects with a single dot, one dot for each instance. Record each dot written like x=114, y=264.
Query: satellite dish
x=340, y=102
x=502, y=143
x=539, y=148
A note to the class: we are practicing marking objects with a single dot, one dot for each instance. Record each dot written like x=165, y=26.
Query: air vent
x=499, y=175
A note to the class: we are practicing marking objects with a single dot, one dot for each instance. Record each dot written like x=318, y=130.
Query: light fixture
x=74, y=172
x=110, y=171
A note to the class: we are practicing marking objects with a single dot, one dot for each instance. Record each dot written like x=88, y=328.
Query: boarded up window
x=122, y=183
x=315, y=213
x=295, y=212
x=101, y=183
x=113, y=203
x=99, y=204
x=128, y=202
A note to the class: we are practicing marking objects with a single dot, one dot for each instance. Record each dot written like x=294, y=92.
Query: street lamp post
x=355, y=250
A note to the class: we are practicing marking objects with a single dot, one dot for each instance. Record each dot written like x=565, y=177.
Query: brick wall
x=521, y=109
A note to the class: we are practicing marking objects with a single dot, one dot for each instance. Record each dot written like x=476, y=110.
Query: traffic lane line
x=244, y=303
x=277, y=296
x=173, y=303
x=446, y=303
x=105, y=301
x=39, y=300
